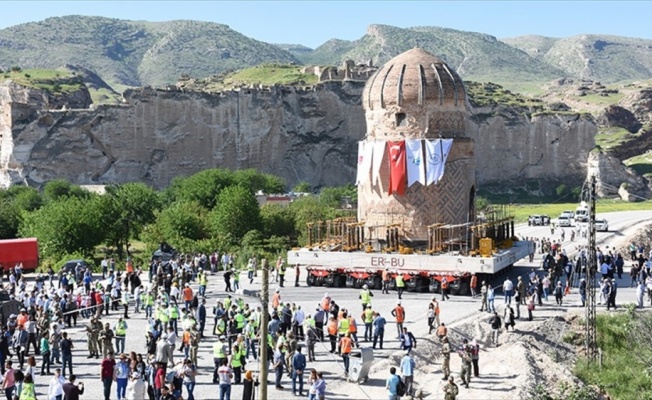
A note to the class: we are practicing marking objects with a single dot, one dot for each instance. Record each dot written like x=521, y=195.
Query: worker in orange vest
x=474, y=286
x=332, y=332
x=442, y=331
x=353, y=330
x=399, y=313
x=326, y=303
x=444, y=289
x=129, y=267
x=346, y=345
x=276, y=299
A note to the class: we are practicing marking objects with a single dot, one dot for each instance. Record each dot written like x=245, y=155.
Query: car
x=601, y=225
x=567, y=213
x=564, y=220
x=534, y=220
x=70, y=266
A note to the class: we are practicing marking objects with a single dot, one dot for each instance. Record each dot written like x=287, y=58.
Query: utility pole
x=591, y=268
x=264, y=320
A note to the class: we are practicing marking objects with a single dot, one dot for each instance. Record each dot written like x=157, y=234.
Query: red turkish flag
x=397, y=167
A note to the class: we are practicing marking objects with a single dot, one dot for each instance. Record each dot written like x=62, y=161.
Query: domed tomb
x=416, y=96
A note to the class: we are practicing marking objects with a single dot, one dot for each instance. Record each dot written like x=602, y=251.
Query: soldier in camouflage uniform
x=451, y=390
x=194, y=345
x=446, y=358
x=93, y=329
x=106, y=336
x=465, y=354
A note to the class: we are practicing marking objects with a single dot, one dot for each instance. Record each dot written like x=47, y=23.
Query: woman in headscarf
x=249, y=386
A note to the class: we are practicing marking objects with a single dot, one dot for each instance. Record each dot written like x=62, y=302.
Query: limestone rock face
x=614, y=178
x=512, y=147
x=302, y=135
x=156, y=135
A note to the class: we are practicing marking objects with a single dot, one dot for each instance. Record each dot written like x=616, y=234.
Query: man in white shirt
x=297, y=323
x=508, y=290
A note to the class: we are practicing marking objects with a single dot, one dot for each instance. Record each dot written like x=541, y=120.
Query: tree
x=9, y=219
x=335, y=196
x=202, y=187
x=68, y=225
x=126, y=209
x=236, y=213
x=309, y=209
x=302, y=187
x=277, y=221
x=183, y=219
x=55, y=189
x=25, y=198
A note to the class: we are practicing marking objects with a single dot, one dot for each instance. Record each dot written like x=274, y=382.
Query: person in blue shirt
x=407, y=370
x=298, y=366
x=392, y=384
x=379, y=329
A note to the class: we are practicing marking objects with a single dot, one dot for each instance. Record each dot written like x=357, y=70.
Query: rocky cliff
x=302, y=135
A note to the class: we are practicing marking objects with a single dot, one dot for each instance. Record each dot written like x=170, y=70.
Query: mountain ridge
x=141, y=53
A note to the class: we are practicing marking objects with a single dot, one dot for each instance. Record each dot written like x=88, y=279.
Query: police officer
x=106, y=337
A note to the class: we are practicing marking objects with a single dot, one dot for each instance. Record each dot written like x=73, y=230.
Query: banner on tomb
x=365, y=150
x=436, y=154
x=397, y=167
x=378, y=153
x=416, y=171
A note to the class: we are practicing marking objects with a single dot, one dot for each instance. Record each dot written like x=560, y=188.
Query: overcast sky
x=311, y=23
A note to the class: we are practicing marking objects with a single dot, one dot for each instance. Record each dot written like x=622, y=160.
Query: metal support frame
x=591, y=268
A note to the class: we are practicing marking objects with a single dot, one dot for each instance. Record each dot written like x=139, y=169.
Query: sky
x=311, y=23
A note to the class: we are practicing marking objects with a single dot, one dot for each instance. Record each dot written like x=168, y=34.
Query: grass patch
x=598, y=100
x=642, y=164
x=104, y=96
x=623, y=375
x=611, y=137
x=271, y=74
x=522, y=211
x=52, y=80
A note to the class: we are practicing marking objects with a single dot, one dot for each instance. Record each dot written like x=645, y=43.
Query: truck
x=19, y=251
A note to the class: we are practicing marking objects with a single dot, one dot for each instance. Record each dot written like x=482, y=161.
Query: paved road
x=308, y=297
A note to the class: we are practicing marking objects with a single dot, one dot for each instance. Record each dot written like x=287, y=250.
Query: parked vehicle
x=564, y=220
x=582, y=212
x=19, y=251
x=70, y=266
x=538, y=220
x=601, y=225
x=568, y=213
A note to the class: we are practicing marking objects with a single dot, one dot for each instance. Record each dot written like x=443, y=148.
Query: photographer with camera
x=72, y=391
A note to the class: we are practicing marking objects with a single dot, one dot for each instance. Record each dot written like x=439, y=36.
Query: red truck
x=16, y=251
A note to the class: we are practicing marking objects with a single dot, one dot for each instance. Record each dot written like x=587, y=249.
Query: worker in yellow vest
x=237, y=352
x=343, y=326
x=400, y=284
x=219, y=356
x=173, y=312
x=240, y=322
x=203, y=282
x=365, y=297
x=368, y=319
x=120, y=330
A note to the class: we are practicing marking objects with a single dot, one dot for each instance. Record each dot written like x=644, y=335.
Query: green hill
x=597, y=57
x=134, y=53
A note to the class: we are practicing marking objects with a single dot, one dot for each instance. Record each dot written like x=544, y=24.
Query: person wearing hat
x=121, y=376
x=93, y=329
x=106, y=337
x=136, y=388
x=220, y=350
x=365, y=297
x=450, y=389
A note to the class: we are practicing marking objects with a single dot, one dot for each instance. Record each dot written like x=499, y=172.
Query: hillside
x=134, y=53
x=596, y=57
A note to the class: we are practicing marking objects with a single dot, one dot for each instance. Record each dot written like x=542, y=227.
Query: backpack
x=400, y=387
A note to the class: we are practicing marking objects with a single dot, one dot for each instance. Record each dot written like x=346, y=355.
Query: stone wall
x=511, y=147
x=157, y=135
x=301, y=135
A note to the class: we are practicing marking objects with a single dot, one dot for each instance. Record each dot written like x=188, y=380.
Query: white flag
x=415, y=166
x=377, y=160
x=436, y=155
x=365, y=150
